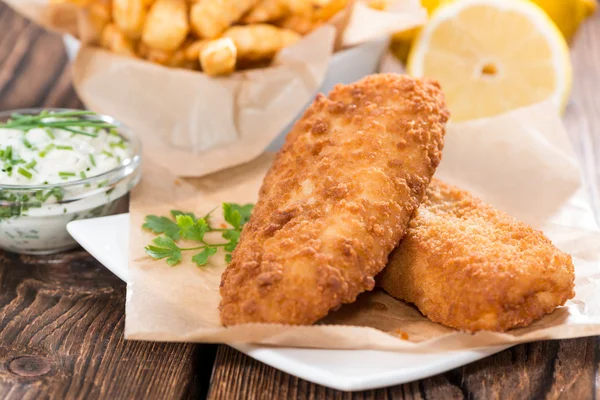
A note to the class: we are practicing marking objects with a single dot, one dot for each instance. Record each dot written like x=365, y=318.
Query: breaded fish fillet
x=467, y=265
x=336, y=201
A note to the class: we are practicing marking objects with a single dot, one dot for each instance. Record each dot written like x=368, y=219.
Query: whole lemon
x=567, y=14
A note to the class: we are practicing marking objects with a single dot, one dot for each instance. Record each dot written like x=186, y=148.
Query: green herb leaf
x=162, y=225
x=190, y=229
x=175, y=213
x=237, y=215
x=233, y=237
x=202, y=258
x=232, y=216
x=164, y=247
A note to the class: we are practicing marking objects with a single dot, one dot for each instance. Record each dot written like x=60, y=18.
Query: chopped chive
x=60, y=147
x=77, y=131
x=92, y=160
x=50, y=133
x=83, y=175
x=46, y=150
x=103, y=183
x=27, y=143
x=113, y=132
x=64, y=174
x=25, y=173
x=120, y=145
x=31, y=165
x=7, y=154
x=107, y=153
x=61, y=120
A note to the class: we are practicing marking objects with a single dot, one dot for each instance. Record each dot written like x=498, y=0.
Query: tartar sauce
x=38, y=155
x=44, y=156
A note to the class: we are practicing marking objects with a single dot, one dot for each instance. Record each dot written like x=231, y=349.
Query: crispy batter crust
x=469, y=266
x=336, y=201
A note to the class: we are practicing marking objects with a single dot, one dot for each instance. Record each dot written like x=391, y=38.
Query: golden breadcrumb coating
x=469, y=266
x=336, y=200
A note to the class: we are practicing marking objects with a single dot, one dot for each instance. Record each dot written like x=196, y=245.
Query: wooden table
x=62, y=317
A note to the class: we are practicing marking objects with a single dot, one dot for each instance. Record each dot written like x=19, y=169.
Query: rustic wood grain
x=566, y=369
x=563, y=369
x=62, y=317
x=61, y=336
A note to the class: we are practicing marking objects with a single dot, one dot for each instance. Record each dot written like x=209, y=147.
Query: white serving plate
x=107, y=239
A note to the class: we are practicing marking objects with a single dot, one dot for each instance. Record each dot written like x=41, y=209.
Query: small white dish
x=107, y=239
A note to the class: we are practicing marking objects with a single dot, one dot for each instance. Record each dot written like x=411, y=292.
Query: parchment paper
x=180, y=303
x=194, y=125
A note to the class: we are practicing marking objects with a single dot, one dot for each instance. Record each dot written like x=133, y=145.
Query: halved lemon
x=491, y=56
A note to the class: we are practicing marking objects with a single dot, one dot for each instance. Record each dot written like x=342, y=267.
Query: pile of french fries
x=217, y=37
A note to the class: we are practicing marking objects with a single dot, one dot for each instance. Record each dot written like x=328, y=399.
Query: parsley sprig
x=186, y=226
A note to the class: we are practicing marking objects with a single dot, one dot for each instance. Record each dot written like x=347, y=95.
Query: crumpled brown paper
x=547, y=172
x=194, y=125
x=181, y=303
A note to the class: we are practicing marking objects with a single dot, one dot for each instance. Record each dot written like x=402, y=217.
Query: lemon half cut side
x=492, y=56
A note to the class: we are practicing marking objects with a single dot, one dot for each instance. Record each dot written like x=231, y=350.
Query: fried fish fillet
x=336, y=201
x=469, y=266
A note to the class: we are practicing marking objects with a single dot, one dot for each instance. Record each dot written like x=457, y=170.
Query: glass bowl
x=33, y=219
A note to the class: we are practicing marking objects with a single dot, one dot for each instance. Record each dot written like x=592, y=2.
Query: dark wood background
x=62, y=317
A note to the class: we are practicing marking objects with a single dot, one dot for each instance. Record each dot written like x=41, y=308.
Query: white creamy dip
x=44, y=156
x=40, y=170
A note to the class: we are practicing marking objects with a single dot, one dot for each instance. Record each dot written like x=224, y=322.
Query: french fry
x=299, y=7
x=166, y=25
x=326, y=9
x=175, y=58
x=299, y=24
x=318, y=10
x=267, y=10
x=78, y=3
x=210, y=18
x=129, y=16
x=193, y=50
x=218, y=36
x=115, y=40
x=218, y=57
x=260, y=41
x=380, y=5
x=93, y=19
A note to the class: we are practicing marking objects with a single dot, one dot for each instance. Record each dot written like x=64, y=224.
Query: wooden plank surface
x=62, y=317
